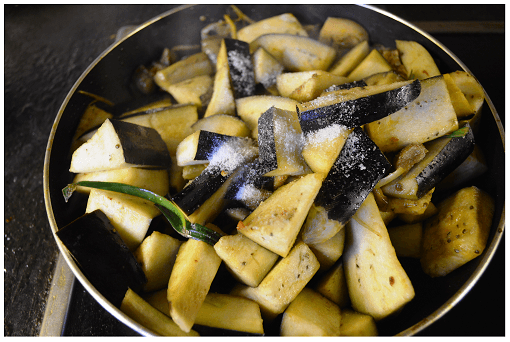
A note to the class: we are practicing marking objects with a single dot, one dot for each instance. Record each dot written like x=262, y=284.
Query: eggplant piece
x=281, y=143
x=373, y=63
x=369, y=104
x=103, y=256
x=429, y=116
x=225, y=155
x=223, y=124
x=283, y=23
x=197, y=91
x=351, y=59
x=222, y=100
x=242, y=76
x=250, y=187
x=192, y=66
x=266, y=69
x=296, y=53
x=443, y=157
x=251, y=108
x=204, y=146
x=118, y=144
x=417, y=60
x=358, y=168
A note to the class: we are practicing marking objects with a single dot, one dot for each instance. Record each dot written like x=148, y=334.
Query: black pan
x=110, y=76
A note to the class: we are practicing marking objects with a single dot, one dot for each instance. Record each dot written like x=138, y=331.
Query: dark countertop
x=47, y=47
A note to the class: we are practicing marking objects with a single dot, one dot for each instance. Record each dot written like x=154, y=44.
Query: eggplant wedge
x=356, y=106
x=118, y=144
x=111, y=268
x=223, y=124
x=284, y=23
x=171, y=122
x=276, y=222
x=250, y=187
x=224, y=159
x=356, y=171
x=242, y=76
x=443, y=157
x=194, y=65
x=204, y=146
x=431, y=115
x=296, y=53
x=222, y=100
x=280, y=143
x=378, y=285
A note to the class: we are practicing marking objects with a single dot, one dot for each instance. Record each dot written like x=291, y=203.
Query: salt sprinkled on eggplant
x=231, y=154
x=322, y=135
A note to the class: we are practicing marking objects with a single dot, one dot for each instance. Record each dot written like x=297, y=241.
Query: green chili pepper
x=173, y=214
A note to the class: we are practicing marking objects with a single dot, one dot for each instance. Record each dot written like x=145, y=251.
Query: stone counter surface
x=46, y=49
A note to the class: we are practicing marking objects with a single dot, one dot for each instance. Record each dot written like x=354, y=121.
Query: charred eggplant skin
x=358, y=168
x=142, y=145
x=240, y=66
x=357, y=112
x=103, y=256
x=451, y=156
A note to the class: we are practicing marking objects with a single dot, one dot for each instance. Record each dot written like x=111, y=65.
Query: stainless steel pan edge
x=485, y=259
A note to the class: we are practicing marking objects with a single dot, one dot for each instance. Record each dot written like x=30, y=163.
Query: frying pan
x=110, y=76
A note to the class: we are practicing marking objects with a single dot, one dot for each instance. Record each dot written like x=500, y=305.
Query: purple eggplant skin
x=103, y=256
x=267, y=146
x=200, y=189
x=209, y=142
x=357, y=169
x=447, y=160
x=142, y=145
x=350, y=85
x=251, y=174
x=240, y=67
x=357, y=112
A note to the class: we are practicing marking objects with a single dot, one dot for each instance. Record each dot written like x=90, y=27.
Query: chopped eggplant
x=202, y=146
x=284, y=23
x=444, y=155
x=223, y=124
x=266, y=69
x=275, y=224
x=280, y=143
x=354, y=174
x=250, y=187
x=369, y=104
x=196, y=91
x=224, y=158
x=118, y=144
x=240, y=68
x=252, y=107
x=171, y=122
x=378, y=284
x=103, y=256
x=429, y=116
x=222, y=100
x=296, y=53
x=372, y=64
x=416, y=59
x=192, y=66
x=351, y=59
